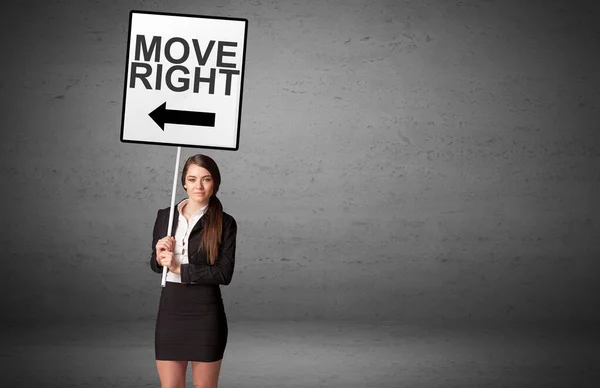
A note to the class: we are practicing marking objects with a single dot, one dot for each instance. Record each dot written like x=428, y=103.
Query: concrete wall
x=421, y=161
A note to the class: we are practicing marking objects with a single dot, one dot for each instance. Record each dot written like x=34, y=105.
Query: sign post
x=170, y=225
x=183, y=83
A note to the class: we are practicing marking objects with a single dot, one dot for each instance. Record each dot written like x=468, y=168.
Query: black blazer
x=199, y=270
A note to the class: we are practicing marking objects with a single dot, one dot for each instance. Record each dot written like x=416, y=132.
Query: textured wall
x=416, y=160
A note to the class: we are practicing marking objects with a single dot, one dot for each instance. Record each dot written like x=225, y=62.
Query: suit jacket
x=199, y=270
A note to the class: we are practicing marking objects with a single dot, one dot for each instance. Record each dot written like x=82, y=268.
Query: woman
x=191, y=324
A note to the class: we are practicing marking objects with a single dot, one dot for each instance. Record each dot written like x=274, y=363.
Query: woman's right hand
x=164, y=244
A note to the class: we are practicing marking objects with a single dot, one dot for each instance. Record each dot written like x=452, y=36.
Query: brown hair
x=210, y=238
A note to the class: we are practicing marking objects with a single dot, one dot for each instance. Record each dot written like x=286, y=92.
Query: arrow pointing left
x=162, y=116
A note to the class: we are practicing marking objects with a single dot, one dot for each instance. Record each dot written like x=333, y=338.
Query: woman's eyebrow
x=205, y=176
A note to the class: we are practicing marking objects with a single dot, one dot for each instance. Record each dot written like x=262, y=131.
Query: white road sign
x=183, y=81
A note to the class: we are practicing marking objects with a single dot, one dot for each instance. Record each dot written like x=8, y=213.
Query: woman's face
x=198, y=184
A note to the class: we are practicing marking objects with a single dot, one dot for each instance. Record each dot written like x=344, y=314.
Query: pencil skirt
x=191, y=324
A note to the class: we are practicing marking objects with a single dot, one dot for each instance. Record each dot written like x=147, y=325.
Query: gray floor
x=311, y=354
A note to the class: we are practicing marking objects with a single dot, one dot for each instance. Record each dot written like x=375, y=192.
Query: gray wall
x=420, y=161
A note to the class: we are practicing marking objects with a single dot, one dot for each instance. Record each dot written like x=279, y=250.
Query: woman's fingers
x=165, y=258
x=164, y=249
x=161, y=246
x=168, y=240
x=165, y=243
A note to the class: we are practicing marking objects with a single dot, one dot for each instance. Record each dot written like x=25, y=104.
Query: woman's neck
x=191, y=207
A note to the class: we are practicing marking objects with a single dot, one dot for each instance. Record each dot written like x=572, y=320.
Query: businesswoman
x=191, y=325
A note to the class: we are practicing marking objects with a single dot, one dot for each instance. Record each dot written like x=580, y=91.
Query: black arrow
x=162, y=116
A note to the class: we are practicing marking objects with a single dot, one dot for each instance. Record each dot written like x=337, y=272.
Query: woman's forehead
x=196, y=170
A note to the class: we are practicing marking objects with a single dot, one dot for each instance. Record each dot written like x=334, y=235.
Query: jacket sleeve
x=222, y=271
x=156, y=235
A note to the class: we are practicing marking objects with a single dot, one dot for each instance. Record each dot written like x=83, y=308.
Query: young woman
x=191, y=324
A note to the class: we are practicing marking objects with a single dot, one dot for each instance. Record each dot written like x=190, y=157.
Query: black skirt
x=191, y=324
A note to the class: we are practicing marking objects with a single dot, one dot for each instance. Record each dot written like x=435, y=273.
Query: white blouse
x=182, y=235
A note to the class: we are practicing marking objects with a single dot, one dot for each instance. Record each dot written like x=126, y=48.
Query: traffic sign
x=183, y=80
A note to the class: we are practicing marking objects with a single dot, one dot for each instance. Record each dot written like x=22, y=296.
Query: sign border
x=239, y=124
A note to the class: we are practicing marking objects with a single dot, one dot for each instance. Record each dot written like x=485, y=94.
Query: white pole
x=170, y=225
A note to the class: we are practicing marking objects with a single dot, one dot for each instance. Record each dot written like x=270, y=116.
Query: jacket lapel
x=175, y=222
x=194, y=239
x=175, y=219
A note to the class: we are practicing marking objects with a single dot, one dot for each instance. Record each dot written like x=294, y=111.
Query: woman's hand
x=167, y=259
x=165, y=244
x=165, y=256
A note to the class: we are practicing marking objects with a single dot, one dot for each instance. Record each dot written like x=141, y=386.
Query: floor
x=310, y=354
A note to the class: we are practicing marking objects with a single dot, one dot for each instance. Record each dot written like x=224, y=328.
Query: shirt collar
x=199, y=212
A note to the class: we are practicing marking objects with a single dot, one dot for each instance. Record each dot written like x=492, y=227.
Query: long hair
x=210, y=237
